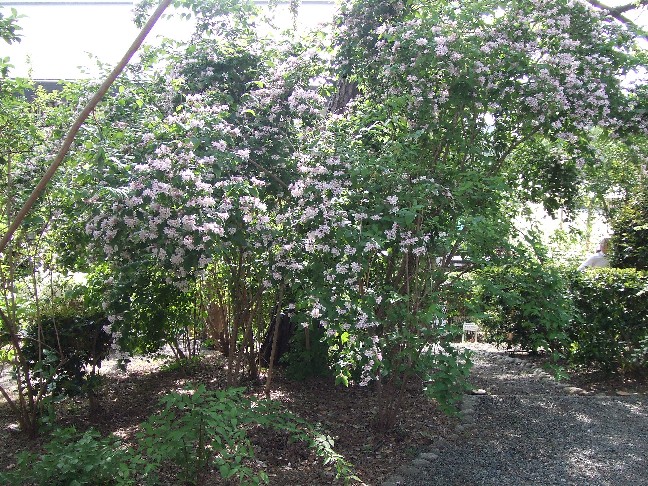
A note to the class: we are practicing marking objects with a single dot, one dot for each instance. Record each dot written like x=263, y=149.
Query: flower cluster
x=210, y=179
x=529, y=65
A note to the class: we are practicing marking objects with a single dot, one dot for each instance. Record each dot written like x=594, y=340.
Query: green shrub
x=526, y=305
x=630, y=237
x=73, y=459
x=152, y=312
x=304, y=361
x=610, y=326
x=68, y=344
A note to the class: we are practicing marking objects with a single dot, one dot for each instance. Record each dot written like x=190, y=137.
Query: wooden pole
x=67, y=142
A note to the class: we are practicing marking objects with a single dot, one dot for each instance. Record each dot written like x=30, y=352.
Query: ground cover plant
x=196, y=430
x=129, y=399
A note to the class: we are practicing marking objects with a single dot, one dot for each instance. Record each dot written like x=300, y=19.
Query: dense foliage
x=630, y=225
x=214, y=186
x=526, y=305
x=73, y=458
x=610, y=327
x=70, y=348
x=596, y=318
x=29, y=268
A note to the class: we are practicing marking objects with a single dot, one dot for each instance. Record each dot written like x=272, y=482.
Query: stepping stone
x=428, y=456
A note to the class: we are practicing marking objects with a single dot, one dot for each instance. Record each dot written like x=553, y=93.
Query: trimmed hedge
x=527, y=306
x=630, y=232
x=610, y=325
x=596, y=318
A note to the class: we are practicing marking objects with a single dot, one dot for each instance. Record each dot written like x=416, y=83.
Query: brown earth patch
x=345, y=414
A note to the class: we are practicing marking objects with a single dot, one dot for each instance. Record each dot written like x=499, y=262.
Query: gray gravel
x=527, y=429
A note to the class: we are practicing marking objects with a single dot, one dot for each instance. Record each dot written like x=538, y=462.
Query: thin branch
x=9, y=401
x=67, y=143
x=629, y=6
x=615, y=12
x=270, y=173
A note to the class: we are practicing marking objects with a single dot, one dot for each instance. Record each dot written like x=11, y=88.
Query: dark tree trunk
x=345, y=92
x=286, y=332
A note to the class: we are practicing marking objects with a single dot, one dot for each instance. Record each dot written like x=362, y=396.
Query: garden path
x=524, y=428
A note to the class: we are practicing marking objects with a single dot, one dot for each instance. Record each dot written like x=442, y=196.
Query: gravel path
x=527, y=429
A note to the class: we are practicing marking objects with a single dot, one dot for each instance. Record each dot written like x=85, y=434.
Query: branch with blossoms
x=619, y=11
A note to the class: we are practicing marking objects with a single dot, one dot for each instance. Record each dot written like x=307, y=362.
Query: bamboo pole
x=67, y=142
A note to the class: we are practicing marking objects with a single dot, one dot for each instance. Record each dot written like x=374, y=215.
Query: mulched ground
x=346, y=414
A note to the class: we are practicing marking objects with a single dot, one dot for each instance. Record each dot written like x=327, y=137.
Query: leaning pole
x=74, y=129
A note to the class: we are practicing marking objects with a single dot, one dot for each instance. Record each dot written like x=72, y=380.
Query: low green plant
x=74, y=459
x=323, y=446
x=196, y=431
x=199, y=430
x=185, y=365
x=447, y=379
x=556, y=369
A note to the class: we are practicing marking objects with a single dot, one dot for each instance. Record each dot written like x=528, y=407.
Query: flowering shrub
x=224, y=168
x=428, y=159
x=199, y=188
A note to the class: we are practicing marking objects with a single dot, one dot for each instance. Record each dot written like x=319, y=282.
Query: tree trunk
x=345, y=92
x=275, y=340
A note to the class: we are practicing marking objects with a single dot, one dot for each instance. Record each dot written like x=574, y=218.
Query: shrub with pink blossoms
x=200, y=188
x=234, y=173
